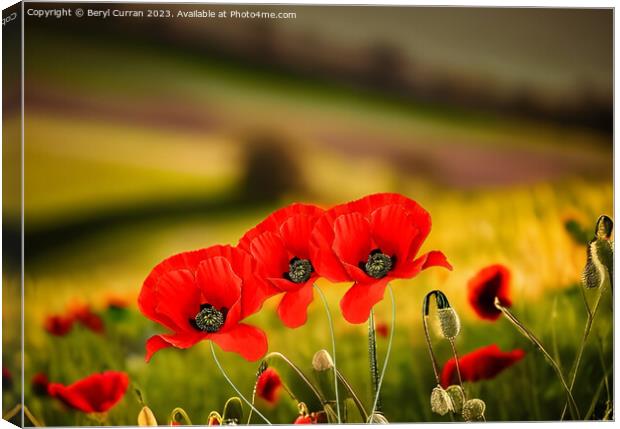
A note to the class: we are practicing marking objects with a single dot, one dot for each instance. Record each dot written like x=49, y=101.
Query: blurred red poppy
x=96, y=393
x=280, y=245
x=305, y=420
x=382, y=329
x=269, y=385
x=84, y=315
x=117, y=302
x=204, y=295
x=58, y=325
x=490, y=282
x=40, y=384
x=372, y=241
x=7, y=379
x=483, y=363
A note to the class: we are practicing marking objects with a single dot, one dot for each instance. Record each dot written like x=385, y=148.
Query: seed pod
x=473, y=410
x=449, y=322
x=146, y=417
x=440, y=401
x=457, y=396
x=322, y=361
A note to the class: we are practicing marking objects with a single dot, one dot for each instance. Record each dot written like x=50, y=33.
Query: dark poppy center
x=209, y=319
x=378, y=264
x=299, y=270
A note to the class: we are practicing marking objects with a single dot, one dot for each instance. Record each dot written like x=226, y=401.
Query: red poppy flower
x=490, y=282
x=7, y=379
x=481, y=364
x=372, y=241
x=96, y=393
x=269, y=385
x=84, y=315
x=280, y=245
x=204, y=295
x=40, y=384
x=58, y=325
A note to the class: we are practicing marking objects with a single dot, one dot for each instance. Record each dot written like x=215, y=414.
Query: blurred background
x=147, y=137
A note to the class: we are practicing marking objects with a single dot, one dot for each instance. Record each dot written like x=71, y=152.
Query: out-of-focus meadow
x=148, y=138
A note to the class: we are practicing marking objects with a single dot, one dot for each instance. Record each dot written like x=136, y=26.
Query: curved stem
x=387, y=353
x=217, y=362
x=372, y=357
x=429, y=346
x=299, y=372
x=331, y=332
x=574, y=410
x=356, y=400
x=458, y=366
x=584, y=339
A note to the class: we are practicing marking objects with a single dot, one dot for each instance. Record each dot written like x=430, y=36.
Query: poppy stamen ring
x=378, y=264
x=209, y=319
x=299, y=270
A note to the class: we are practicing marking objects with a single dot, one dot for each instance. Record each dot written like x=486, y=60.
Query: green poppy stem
x=217, y=362
x=574, y=410
x=372, y=361
x=584, y=339
x=376, y=404
x=331, y=332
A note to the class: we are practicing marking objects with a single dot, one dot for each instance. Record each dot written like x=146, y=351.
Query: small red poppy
x=57, y=324
x=490, y=282
x=84, y=315
x=40, y=384
x=204, y=295
x=117, y=302
x=481, y=364
x=280, y=245
x=7, y=379
x=96, y=393
x=269, y=385
x=372, y=241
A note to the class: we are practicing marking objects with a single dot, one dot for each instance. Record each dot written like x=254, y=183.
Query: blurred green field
x=84, y=164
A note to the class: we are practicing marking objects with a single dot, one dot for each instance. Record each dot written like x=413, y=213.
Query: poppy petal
x=177, y=300
x=220, y=285
x=180, y=341
x=246, y=340
x=293, y=308
x=360, y=298
x=352, y=240
x=393, y=231
x=295, y=233
x=271, y=256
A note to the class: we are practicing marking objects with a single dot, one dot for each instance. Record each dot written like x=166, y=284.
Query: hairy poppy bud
x=378, y=418
x=440, y=401
x=146, y=417
x=600, y=255
x=322, y=361
x=473, y=410
x=233, y=411
x=449, y=322
x=457, y=396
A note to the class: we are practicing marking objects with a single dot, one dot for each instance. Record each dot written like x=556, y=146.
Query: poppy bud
x=449, y=322
x=440, y=401
x=214, y=419
x=604, y=226
x=600, y=255
x=473, y=410
x=233, y=411
x=146, y=417
x=378, y=418
x=457, y=396
x=322, y=361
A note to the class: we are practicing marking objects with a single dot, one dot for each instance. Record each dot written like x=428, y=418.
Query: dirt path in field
x=464, y=162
